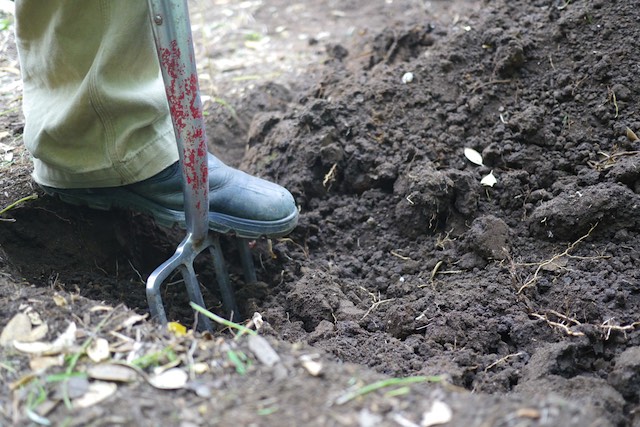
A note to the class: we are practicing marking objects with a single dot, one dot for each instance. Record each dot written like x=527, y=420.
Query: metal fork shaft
x=174, y=43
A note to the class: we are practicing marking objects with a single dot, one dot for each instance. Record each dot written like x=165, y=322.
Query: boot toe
x=252, y=198
x=238, y=202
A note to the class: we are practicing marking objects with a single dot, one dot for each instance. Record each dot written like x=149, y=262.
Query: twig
x=330, y=177
x=435, y=269
x=551, y=260
x=605, y=326
x=612, y=98
x=559, y=325
x=503, y=359
x=298, y=245
x=609, y=159
x=608, y=327
x=565, y=318
x=376, y=302
x=402, y=257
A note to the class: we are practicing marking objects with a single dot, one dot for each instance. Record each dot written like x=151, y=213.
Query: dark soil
x=525, y=294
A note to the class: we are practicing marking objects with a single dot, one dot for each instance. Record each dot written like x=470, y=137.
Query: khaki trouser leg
x=94, y=102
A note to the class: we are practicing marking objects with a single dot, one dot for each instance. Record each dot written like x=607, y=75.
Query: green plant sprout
x=222, y=321
x=390, y=382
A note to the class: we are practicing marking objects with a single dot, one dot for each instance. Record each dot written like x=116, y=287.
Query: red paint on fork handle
x=186, y=111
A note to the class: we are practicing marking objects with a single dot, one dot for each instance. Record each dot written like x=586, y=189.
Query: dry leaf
x=25, y=379
x=59, y=300
x=172, y=379
x=36, y=333
x=439, y=413
x=532, y=413
x=99, y=350
x=98, y=391
x=200, y=368
x=100, y=308
x=112, y=372
x=68, y=337
x=257, y=320
x=489, y=180
x=313, y=367
x=132, y=320
x=43, y=362
x=473, y=156
x=403, y=421
x=18, y=327
x=123, y=347
x=64, y=342
x=37, y=347
x=631, y=135
x=34, y=316
x=9, y=69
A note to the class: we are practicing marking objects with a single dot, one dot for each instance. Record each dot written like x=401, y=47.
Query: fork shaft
x=174, y=43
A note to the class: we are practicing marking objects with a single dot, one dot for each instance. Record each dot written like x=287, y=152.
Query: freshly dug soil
x=525, y=293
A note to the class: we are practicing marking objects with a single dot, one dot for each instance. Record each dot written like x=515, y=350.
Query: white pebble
x=407, y=78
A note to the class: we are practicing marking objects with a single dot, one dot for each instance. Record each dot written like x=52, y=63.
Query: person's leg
x=94, y=102
x=98, y=126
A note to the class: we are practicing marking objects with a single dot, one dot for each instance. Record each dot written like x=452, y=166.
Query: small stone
x=489, y=237
x=263, y=351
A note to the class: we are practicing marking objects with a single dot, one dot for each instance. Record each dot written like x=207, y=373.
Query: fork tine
x=195, y=296
x=182, y=261
x=248, y=268
x=155, y=280
x=222, y=277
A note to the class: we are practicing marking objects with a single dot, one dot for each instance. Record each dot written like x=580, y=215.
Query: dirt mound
x=432, y=265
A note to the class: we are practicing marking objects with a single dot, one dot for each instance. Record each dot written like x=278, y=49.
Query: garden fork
x=174, y=43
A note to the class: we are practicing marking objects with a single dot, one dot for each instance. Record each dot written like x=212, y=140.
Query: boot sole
x=218, y=222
